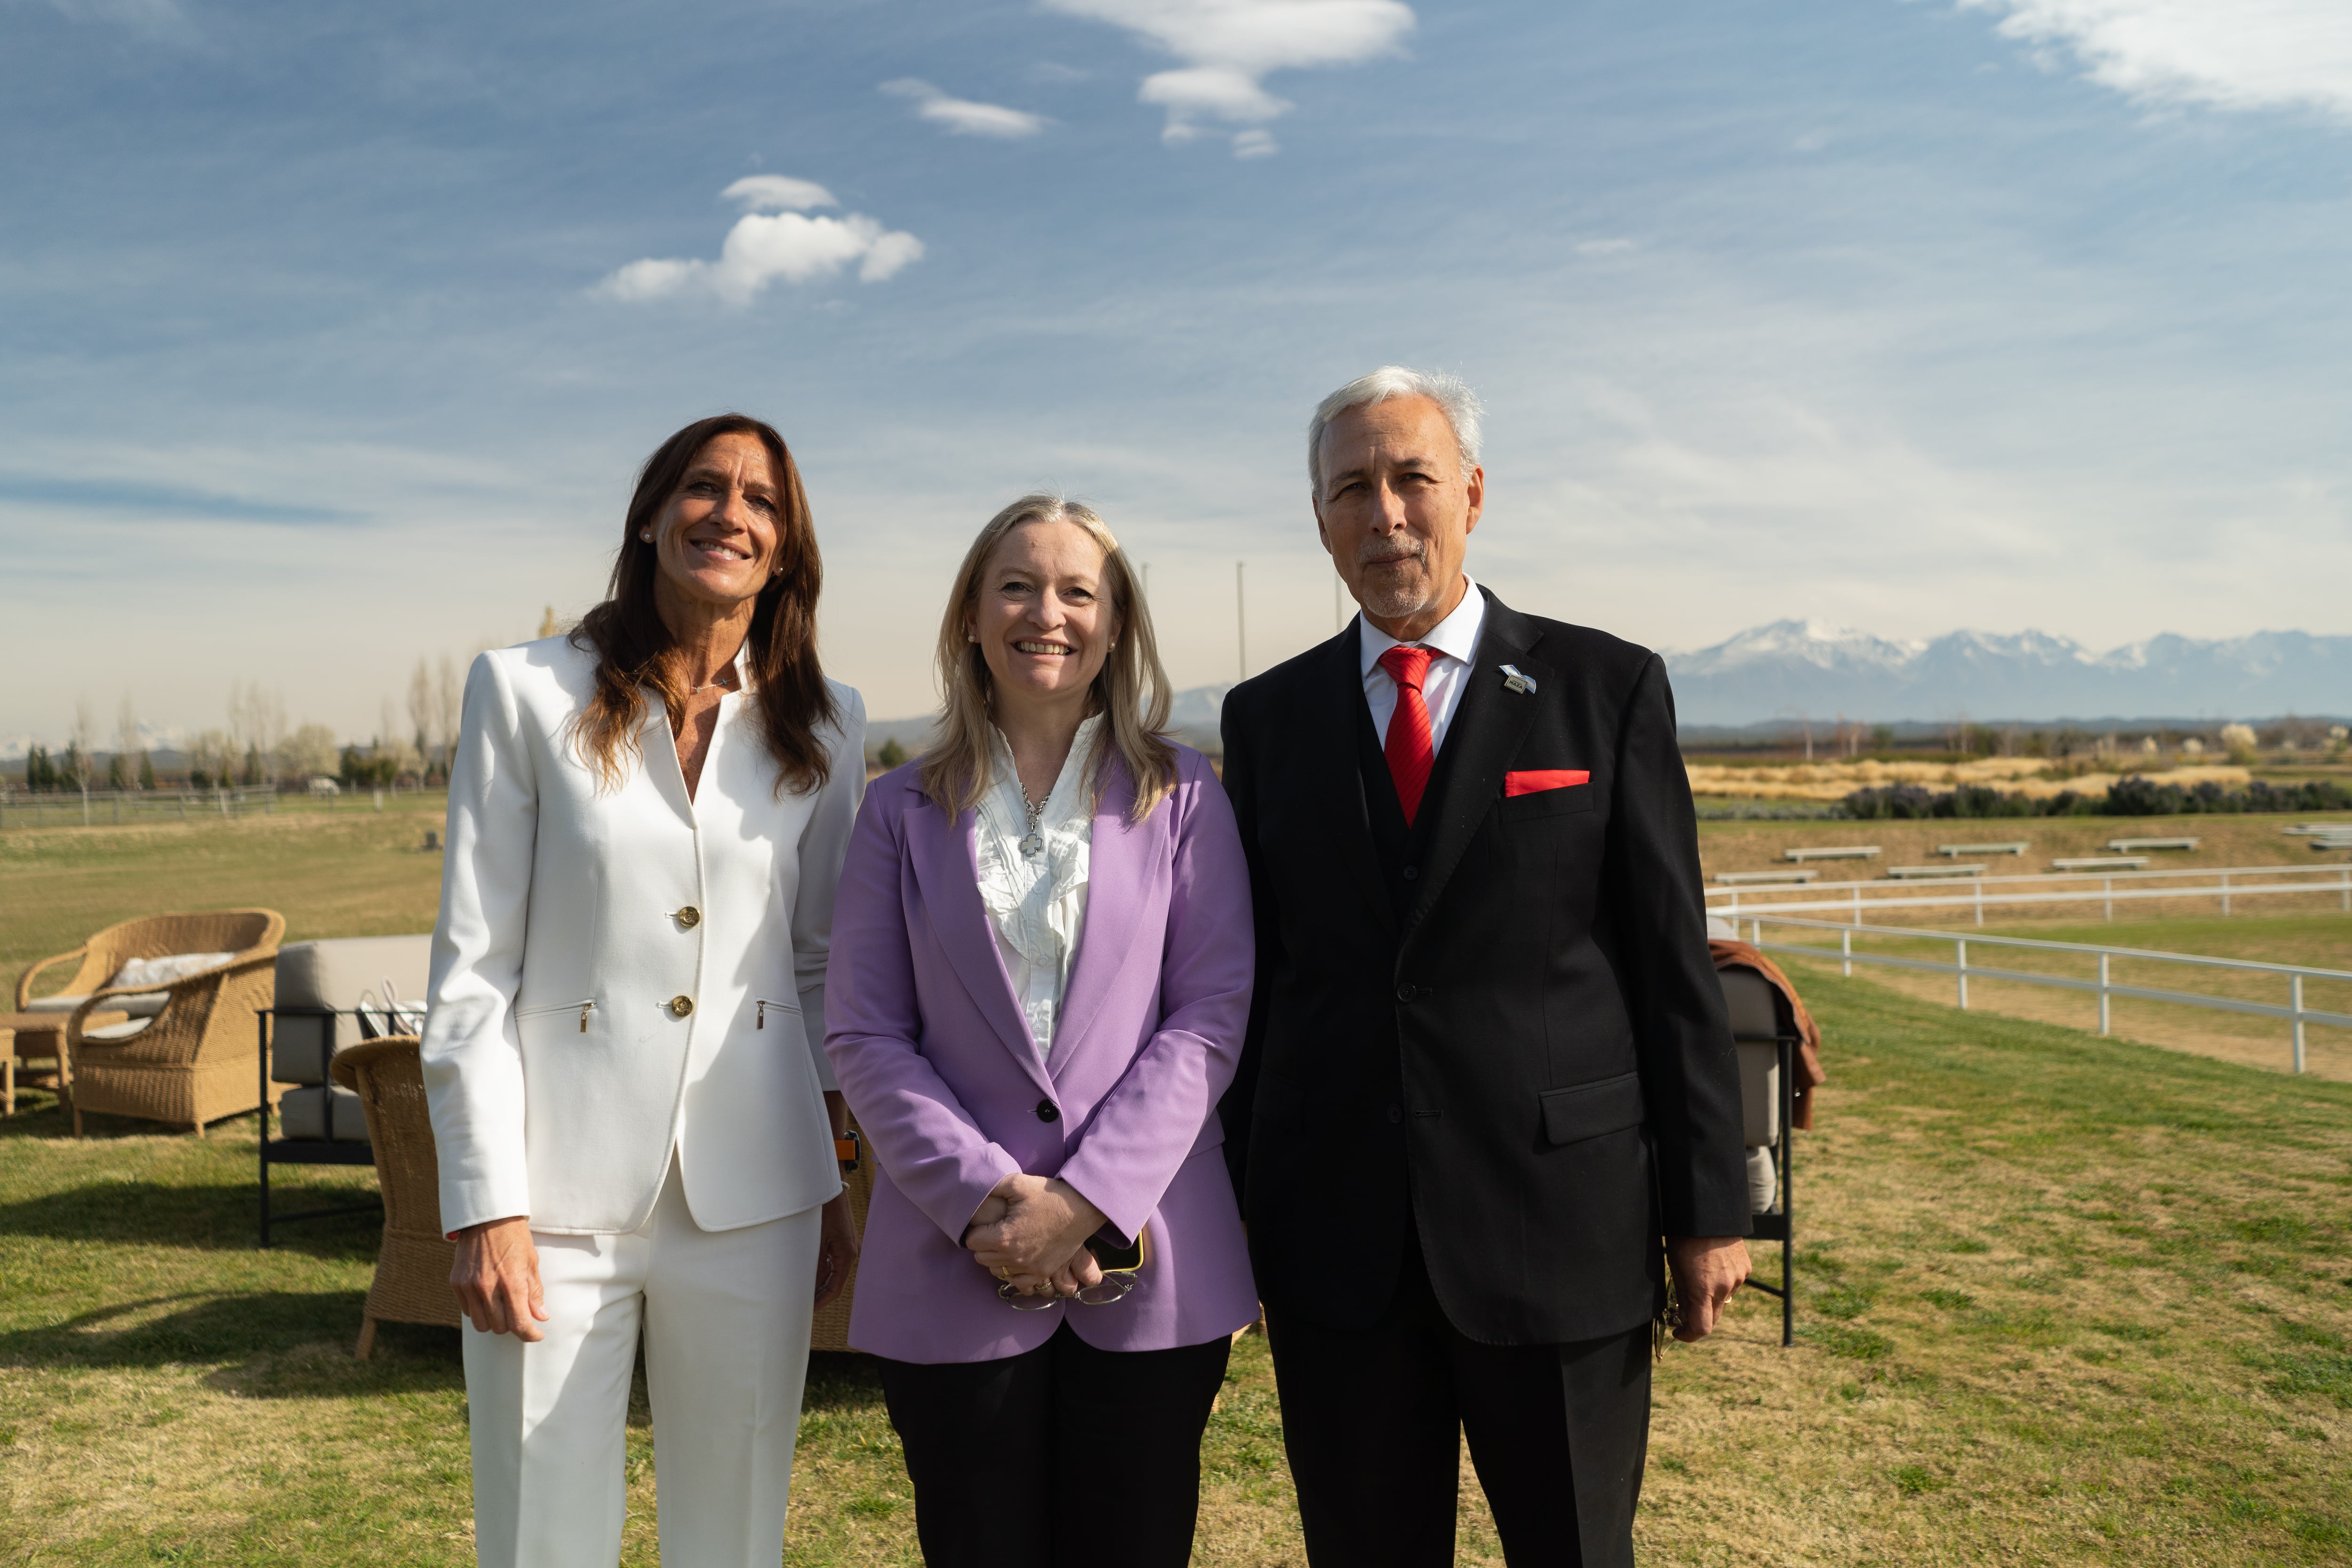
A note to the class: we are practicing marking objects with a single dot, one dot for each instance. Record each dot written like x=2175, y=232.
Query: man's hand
x=497, y=1278
x=1707, y=1269
x=1043, y=1225
x=837, y=1250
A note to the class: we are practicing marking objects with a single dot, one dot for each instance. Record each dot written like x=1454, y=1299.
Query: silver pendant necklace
x=1034, y=845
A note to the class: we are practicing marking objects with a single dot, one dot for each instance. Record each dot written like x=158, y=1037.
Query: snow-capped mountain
x=1820, y=670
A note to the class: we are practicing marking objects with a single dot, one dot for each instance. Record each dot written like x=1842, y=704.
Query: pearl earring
x=646, y=537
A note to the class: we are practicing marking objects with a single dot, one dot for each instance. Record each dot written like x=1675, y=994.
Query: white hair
x=1451, y=394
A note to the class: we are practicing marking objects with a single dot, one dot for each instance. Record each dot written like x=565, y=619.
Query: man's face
x=1396, y=511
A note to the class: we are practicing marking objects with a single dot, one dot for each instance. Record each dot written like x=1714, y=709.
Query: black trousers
x=1062, y=1457
x=1374, y=1419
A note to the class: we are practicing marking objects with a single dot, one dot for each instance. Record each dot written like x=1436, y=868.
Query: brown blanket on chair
x=1739, y=955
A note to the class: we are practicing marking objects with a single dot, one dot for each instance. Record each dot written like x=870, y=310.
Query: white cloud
x=768, y=244
x=962, y=116
x=1229, y=46
x=777, y=194
x=2224, y=54
x=1607, y=247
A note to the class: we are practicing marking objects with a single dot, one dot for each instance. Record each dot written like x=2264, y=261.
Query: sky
x=331, y=335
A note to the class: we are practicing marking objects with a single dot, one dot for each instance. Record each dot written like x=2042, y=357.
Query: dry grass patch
x=2016, y=775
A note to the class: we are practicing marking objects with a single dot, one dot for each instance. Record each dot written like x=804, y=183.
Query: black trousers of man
x=1374, y=1420
x=1063, y=1457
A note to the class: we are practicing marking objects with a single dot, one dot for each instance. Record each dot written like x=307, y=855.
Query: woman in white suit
x=635, y=1124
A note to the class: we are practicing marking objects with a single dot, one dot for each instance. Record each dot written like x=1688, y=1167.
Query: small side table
x=30, y=1038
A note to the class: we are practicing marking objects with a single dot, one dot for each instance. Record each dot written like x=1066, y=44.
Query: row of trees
x=257, y=749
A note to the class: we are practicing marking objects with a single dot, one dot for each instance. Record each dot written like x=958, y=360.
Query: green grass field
x=2061, y=1299
x=344, y=870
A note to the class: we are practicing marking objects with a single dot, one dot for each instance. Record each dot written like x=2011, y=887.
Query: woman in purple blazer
x=1041, y=970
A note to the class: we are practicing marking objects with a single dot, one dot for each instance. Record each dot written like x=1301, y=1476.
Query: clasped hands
x=1031, y=1232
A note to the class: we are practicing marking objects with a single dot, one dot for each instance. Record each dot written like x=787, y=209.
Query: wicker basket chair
x=242, y=932
x=412, y=1269
x=830, y=1330
x=196, y=1059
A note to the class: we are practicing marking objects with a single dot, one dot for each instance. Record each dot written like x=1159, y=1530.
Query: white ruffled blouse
x=1037, y=901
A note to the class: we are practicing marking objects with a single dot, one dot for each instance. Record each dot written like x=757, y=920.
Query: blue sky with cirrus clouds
x=332, y=334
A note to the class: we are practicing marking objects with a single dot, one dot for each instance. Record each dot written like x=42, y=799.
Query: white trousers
x=725, y=1316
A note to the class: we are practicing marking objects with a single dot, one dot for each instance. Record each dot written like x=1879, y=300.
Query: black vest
x=1401, y=850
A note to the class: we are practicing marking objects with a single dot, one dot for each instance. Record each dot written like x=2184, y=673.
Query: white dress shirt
x=1454, y=641
x=1038, y=902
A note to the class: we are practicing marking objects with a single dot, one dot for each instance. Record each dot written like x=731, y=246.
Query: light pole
x=1241, y=620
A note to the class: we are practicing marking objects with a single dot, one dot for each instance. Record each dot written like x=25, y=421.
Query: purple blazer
x=936, y=1060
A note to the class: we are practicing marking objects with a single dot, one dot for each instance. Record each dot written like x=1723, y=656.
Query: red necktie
x=1410, y=752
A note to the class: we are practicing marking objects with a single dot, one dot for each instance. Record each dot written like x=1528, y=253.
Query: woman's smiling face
x=1043, y=621
x=715, y=537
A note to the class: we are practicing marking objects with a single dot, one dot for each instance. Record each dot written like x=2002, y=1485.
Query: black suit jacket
x=1514, y=1040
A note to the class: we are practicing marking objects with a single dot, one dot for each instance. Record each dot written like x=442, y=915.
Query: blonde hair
x=1130, y=690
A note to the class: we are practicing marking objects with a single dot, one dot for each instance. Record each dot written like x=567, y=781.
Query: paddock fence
x=2226, y=885
x=110, y=807
x=2294, y=1010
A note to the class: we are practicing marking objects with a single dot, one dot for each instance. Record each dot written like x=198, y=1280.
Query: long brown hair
x=634, y=648
x=1131, y=688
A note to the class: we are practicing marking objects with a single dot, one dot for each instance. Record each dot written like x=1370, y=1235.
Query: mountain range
x=1819, y=671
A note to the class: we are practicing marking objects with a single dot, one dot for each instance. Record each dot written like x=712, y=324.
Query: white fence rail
x=2227, y=884
x=2294, y=1012
x=107, y=807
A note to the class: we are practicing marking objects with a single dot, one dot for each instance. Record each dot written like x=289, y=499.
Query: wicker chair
x=830, y=1331
x=412, y=1269
x=195, y=1059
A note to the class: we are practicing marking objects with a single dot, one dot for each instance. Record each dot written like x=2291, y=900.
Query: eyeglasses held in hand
x=1120, y=1261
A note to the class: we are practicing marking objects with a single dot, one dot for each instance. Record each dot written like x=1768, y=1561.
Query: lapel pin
x=1515, y=681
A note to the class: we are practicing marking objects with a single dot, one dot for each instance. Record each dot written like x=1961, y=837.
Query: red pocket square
x=1539, y=780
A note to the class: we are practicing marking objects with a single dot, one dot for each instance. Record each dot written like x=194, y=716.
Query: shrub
x=2132, y=796
x=2137, y=796
x=1902, y=801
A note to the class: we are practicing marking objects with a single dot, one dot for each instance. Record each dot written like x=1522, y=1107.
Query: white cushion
x=163, y=971
x=325, y=1112
x=1759, y=1093
x=110, y=1031
x=1763, y=1182
x=56, y=1004
x=334, y=976
x=145, y=1004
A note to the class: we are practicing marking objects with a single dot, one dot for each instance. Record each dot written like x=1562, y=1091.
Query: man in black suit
x=1488, y=1068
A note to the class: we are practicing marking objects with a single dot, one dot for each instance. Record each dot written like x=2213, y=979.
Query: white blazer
x=623, y=974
